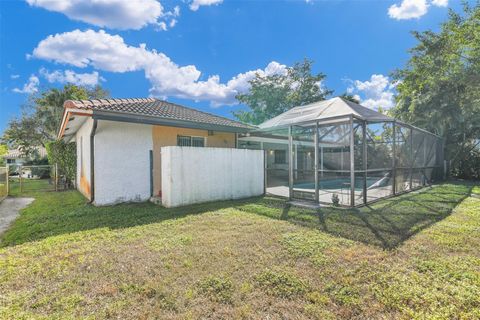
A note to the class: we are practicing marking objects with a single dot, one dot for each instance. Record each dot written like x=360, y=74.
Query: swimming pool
x=341, y=183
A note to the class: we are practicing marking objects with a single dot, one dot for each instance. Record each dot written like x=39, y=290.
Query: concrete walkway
x=9, y=209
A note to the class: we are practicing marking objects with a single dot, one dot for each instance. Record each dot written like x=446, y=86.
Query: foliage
x=3, y=151
x=65, y=156
x=438, y=89
x=217, y=289
x=349, y=97
x=280, y=283
x=335, y=200
x=42, y=117
x=272, y=95
x=41, y=172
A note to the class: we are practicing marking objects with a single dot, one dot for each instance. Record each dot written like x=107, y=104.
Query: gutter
x=92, y=161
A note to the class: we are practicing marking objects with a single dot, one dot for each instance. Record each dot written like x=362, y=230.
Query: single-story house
x=331, y=151
x=19, y=157
x=119, y=141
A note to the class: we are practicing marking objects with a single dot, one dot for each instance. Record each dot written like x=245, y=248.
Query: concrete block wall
x=122, y=162
x=194, y=175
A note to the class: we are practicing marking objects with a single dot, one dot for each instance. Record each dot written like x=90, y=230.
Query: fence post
x=7, y=182
x=56, y=176
x=20, y=178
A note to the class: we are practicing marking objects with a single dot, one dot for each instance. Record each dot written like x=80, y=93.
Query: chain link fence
x=32, y=178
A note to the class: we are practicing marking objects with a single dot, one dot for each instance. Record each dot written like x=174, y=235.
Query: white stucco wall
x=82, y=139
x=122, y=162
x=194, y=175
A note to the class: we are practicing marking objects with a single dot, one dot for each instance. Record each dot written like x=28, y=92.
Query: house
x=19, y=157
x=119, y=141
x=332, y=151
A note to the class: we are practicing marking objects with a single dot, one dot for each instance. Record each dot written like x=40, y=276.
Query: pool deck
x=325, y=195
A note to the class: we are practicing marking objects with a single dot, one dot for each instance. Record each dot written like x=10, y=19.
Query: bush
x=65, y=156
x=335, y=200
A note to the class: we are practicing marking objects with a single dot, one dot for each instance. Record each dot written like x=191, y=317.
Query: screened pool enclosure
x=339, y=151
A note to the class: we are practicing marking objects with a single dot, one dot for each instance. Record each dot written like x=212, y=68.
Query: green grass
x=30, y=187
x=411, y=257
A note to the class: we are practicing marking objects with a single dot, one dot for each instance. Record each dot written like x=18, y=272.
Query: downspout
x=92, y=161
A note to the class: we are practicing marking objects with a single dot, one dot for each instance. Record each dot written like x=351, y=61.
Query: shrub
x=65, y=156
x=335, y=200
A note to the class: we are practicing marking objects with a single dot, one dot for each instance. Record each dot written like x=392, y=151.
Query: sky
x=201, y=53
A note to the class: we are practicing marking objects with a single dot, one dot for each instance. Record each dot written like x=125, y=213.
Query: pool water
x=337, y=184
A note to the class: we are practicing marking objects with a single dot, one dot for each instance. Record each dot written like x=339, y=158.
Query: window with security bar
x=189, y=141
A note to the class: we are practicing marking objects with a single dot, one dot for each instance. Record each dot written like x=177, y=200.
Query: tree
x=272, y=95
x=42, y=117
x=3, y=152
x=439, y=88
x=349, y=97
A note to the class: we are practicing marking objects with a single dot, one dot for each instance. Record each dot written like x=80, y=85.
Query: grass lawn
x=413, y=256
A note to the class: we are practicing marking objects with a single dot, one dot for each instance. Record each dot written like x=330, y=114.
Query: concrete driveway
x=9, y=209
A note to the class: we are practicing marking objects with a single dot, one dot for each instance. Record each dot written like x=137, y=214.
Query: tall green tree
x=439, y=89
x=272, y=95
x=41, y=118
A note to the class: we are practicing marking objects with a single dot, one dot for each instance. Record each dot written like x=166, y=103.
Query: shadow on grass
x=57, y=213
x=387, y=223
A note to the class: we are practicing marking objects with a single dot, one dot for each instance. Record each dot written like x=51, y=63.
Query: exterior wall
x=167, y=136
x=122, y=162
x=194, y=175
x=82, y=138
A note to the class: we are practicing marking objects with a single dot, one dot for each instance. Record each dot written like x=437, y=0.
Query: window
x=280, y=156
x=198, y=142
x=188, y=141
x=10, y=161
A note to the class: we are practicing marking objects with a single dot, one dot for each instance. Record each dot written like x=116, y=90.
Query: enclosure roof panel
x=323, y=110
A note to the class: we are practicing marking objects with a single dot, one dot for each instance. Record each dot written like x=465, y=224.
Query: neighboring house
x=18, y=157
x=119, y=140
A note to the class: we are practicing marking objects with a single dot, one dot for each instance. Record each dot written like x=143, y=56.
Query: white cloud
x=196, y=4
x=440, y=3
x=413, y=9
x=408, y=9
x=30, y=87
x=14, y=76
x=374, y=93
x=114, y=14
x=162, y=26
x=69, y=76
x=110, y=53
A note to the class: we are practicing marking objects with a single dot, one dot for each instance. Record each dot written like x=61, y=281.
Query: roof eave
x=153, y=120
x=67, y=112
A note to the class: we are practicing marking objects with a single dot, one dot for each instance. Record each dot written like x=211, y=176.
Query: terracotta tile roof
x=155, y=108
x=18, y=154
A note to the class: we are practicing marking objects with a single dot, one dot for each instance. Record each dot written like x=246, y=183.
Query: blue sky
x=200, y=53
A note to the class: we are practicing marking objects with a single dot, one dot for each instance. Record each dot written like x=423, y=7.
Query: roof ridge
x=110, y=101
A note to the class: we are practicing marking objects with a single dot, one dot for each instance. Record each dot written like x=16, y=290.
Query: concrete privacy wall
x=193, y=175
x=122, y=162
x=167, y=136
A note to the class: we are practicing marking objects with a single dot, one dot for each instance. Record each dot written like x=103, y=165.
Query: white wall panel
x=194, y=175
